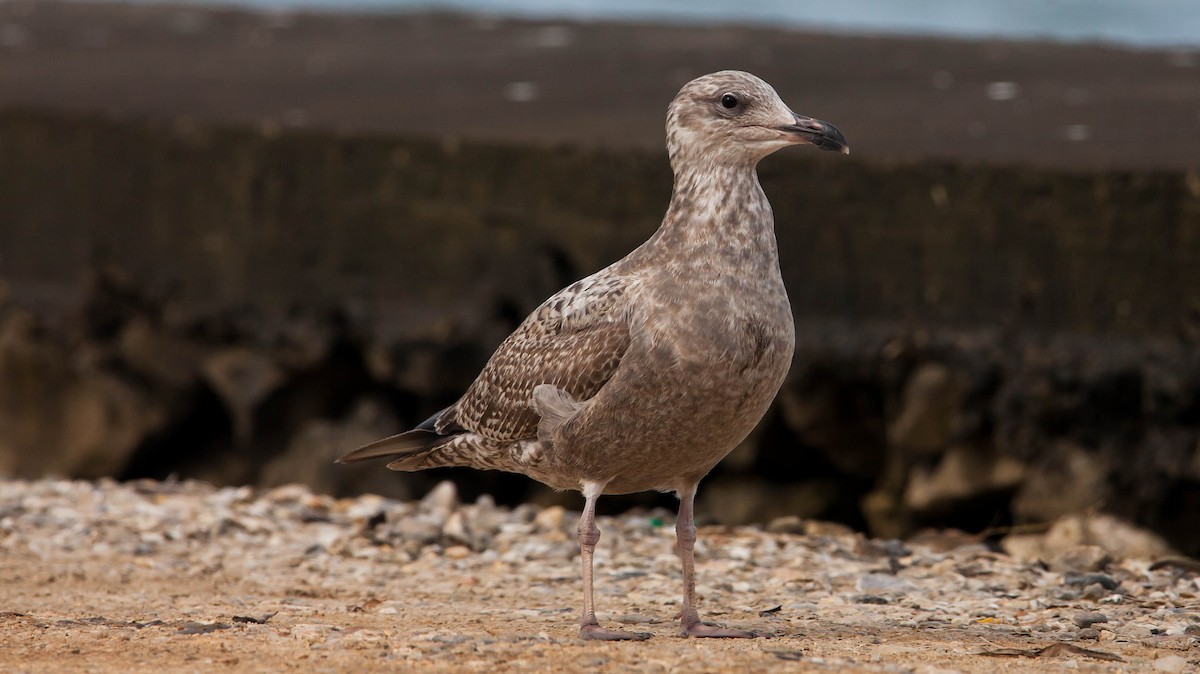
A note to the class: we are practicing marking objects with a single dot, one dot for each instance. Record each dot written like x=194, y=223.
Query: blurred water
x=1133, y=22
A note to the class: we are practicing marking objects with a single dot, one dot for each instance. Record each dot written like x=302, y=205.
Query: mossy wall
x=232, y=216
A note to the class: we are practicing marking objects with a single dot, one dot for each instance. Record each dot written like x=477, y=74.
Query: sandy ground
x=153, y=577
x=1076, y=106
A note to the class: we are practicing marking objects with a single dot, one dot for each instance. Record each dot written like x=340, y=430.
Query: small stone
x=442, y=499
x=788, y=524
x=823, y=528
x=419, y=530
x=870, y=599
x=882, y=583
x=457, y=552
x=1088, y=579
x=1172, y=664
x=1081, y=559
x=456, y=530
x=550, y=519
x=1089, y=618
x=1089, y=633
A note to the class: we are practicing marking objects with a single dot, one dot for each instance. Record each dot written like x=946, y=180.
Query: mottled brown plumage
x=647, y=373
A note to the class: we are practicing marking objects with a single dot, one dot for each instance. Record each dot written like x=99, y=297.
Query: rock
x=747, y=499
x=457, y=552
x=1078, y=541
x=931, y=400
x=1171, y=664
x=157, y=354
x=1081, y=559
x=870, y=599
x=1105, y=582
x=309, y=454
x=1089, y=618
x=1070, y=479
x=62, y=414
x=551, y=518
x=943, y=540
x=882, y=583
x=458, y=531
x=825, y=528
x=243, y=378
x=788, y=524
x=961, y=473
x=441, y=500
x=1025, y=547
x=1119, y=538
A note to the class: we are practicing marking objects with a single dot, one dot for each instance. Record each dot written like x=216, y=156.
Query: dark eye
x=729, y=101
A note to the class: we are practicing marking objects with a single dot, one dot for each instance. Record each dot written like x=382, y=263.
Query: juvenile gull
x=647, y=373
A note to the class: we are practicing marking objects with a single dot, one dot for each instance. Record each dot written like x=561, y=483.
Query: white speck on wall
x=521, y=92
x=1003, y=91
x=552, y=37
x=1077, y=132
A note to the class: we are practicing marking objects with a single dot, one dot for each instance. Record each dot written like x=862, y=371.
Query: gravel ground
x=153, y=576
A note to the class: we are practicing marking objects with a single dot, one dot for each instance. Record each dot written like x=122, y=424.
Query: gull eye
x=729, y=101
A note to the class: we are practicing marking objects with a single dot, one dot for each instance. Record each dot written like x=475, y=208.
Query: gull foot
x=598, y=633
x=714, y=631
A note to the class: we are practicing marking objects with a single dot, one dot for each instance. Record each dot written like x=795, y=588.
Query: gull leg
x=689, y=617
x=589, y=535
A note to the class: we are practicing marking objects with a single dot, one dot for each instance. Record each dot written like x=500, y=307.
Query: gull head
x=733, y=117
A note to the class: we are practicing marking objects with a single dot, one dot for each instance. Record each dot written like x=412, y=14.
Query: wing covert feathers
x=562, y=353
x=574, y=342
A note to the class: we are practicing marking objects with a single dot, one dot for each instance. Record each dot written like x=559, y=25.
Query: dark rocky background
x=219, y=260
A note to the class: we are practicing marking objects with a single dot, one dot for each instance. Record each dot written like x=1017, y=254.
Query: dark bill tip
x=818, y=133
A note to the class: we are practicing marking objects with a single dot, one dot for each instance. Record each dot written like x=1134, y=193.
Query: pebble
x=1089, y=618
x=788, y=524
x=1081, y=559
x=437, y=544
x=882, y=583
x=457, y=552
x=442, y=499
x=1172, y=664
x=1086, y=579
x=550, y=519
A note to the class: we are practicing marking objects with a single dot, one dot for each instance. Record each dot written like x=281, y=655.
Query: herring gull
x=647, y=373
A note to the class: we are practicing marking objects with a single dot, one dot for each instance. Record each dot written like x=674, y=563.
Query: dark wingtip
x=416, y=440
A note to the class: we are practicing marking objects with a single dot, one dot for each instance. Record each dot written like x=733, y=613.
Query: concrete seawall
x=977, y=345
x=236, y=216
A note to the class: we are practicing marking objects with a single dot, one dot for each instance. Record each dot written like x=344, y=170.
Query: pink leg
x=589, y=535
x=685, y=534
